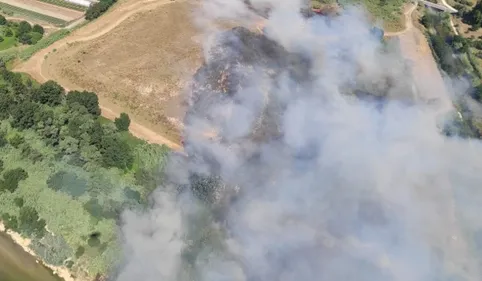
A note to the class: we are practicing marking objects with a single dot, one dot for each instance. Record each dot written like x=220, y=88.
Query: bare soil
x=140, y=66
x=122, y=65
x=46, y=9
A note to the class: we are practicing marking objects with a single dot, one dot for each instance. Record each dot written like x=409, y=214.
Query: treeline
x=97, y=9
x=445, y=45
x=474, y=16
x=23, y=31
x=67, y=122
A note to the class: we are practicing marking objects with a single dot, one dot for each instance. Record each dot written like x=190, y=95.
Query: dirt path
x=94, y=30
x=408, y=21
x=46, y=9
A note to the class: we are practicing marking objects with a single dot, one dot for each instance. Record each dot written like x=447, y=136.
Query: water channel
x=17, y=265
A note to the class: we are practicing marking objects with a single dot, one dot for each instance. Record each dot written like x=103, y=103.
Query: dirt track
x=92, y=31
x=46, y=9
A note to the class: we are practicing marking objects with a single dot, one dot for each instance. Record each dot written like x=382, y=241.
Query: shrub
x=122, y=123
x=80, y=251
x=8, y=33
x=87, y=99
x=18, y=202
x=3, y=140
x=35, y=37
x=68, y=183
x=16, y=140
x=53, y=249
x=3, y=20
x=94, y=240
x=10, y=222
x=30, y=223
x=11, y=178
x=50, y=93
x=23, y=28
x=39, y=29
x=1, y=39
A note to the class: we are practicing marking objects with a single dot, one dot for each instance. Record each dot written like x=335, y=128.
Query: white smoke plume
x=294, y=174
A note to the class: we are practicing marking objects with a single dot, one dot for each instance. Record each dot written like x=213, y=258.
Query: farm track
x=46, y=9
x=94, y=30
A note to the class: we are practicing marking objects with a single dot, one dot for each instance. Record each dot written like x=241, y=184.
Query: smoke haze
x=310, y=157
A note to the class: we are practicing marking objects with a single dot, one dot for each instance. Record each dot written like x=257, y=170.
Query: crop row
x=6, y=8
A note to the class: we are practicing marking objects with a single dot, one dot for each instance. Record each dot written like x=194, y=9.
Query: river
x=17, y=265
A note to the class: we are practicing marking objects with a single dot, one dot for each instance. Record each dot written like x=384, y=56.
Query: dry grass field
x=139, y=66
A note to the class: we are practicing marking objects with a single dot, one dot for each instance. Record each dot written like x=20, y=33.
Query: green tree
x=23, y=28
x=25, y=38
x=1, y=165
x=122, y=123
x=16, y=140
x=87, y=99
x=19, y=202
x=30, y=223
x=50, y=93
x=38, y=28
x=23, y=115
x=3, y=140
x=10, y=222
x=3, y=20
x=8, y=32
x=116, y=153
x=11, y=178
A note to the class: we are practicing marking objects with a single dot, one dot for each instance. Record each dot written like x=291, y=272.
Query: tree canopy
x=122, y=123
x=87, y=99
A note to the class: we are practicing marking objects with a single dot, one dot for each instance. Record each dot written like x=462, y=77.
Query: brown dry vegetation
x=140, y=65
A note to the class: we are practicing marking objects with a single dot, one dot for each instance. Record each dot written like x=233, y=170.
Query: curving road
x=94, y=30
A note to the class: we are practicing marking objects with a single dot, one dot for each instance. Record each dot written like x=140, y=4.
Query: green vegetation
x=99, y=8
x=122, y=123
x=43, y=43
x=65, y=4
x=9, y=9
x=444, y=43
x=474, y=17
x=389, y=11
x=65, y=168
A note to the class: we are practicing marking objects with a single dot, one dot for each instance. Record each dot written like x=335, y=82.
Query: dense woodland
x=66, y=169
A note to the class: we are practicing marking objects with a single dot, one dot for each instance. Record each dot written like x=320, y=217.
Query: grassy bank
x=66, y=169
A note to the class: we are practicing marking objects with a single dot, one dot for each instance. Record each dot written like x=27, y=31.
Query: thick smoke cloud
x=310, y=157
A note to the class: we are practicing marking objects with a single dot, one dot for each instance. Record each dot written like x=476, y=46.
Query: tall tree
x=87, y=99
x=122, y=123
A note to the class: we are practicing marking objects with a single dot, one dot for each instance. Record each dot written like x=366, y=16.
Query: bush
x=94, y=240
x=16, y=140
x=23, y=28
x=3, y=20
x=11, y=178
x=80, y=251
x=35, y=37
x=10, y=222
x=122, y=123
x=68, y=183
x=1, y=39
x=18, y=202
x=97, y=9
x=116, y=153
x=39, y=29
x=8, y=33
x=53, y=249
x=30, y=223
x=3, y=140
x=50, y=93
x=87, y=99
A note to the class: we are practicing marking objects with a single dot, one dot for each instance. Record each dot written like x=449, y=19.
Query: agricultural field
x=139, y=65
x=65, y=4
x=36, y=10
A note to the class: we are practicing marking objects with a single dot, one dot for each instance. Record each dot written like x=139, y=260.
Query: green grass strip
x=31, y=14
x=43, y=43
x=65, y=4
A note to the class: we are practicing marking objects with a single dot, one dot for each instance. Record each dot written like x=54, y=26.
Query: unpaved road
x=46, y=9
x=94, y=30
x=408, y=21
